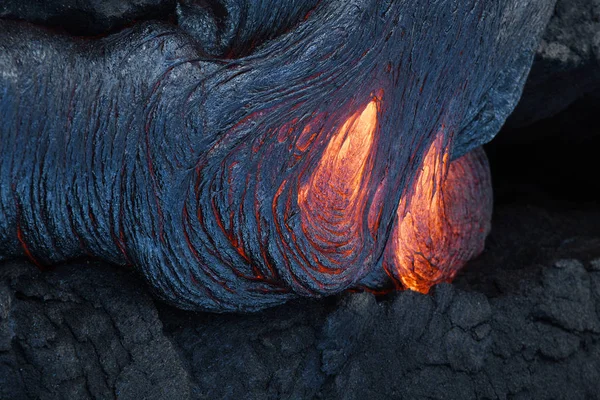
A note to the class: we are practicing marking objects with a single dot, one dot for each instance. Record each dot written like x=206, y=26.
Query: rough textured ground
x=521, y=322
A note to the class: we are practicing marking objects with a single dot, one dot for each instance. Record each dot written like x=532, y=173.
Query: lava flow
x=332, y=202
x=443, y=222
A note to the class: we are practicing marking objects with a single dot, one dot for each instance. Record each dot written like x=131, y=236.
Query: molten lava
x=332, y=201
x=443, y=222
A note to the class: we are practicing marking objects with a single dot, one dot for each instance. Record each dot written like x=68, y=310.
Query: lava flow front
x=443, y=222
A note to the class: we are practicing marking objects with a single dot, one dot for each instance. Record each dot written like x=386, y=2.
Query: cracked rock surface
x=83, y=332
x=521, y=322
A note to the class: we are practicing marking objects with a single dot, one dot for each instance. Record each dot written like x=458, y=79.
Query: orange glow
x=332, y=200
x=445, y=221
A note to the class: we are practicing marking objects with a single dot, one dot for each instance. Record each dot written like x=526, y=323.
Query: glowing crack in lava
x=332, y=201
x=443, y=223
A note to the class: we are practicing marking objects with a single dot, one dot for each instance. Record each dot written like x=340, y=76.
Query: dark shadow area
x=552, y=162
x=88, y=17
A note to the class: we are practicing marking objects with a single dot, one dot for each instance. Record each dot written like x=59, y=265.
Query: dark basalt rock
x=85, y=331
x=522, y=322
x=567, y=63
x=499, y=100
x=86, y=17
x=236, y=28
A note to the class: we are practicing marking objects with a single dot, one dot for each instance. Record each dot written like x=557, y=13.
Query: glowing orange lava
x=332, y=200
x=441, y=222
x=445, y=221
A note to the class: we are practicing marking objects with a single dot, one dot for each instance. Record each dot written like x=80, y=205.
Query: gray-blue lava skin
x=143, y=148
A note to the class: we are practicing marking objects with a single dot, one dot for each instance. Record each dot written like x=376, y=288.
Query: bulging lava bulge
x=441, y=223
